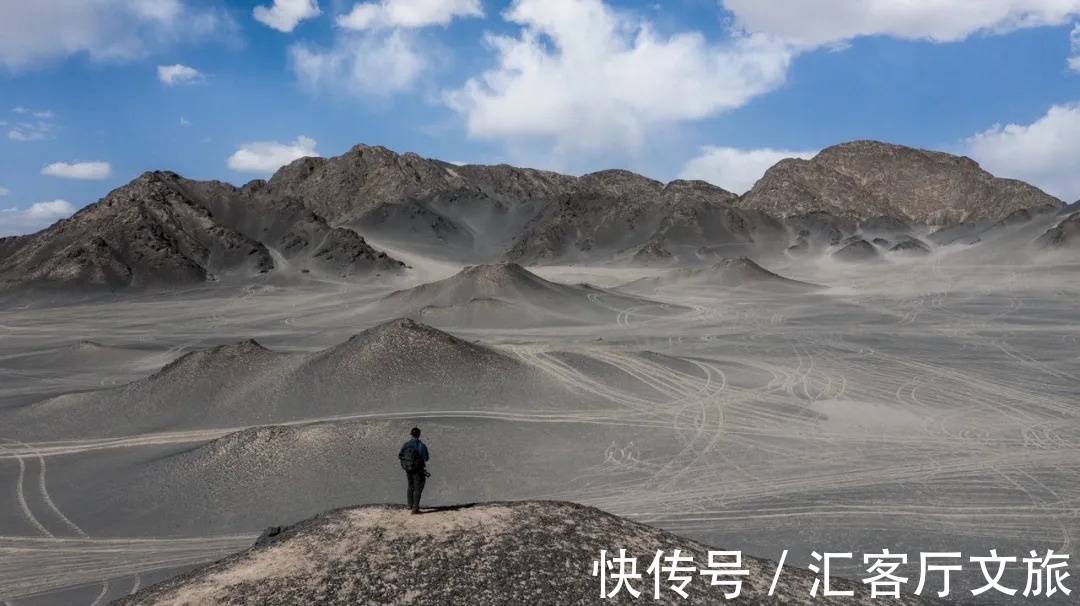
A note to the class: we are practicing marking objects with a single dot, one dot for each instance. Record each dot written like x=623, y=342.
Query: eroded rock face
x=867, y=179
x=484, y=554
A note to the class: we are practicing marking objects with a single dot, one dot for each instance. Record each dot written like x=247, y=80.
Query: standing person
x=414, y=457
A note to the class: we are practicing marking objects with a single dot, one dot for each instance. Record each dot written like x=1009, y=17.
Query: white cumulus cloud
x=1045, y=153
x=285, y=15
x=587, y=77
x=736, y=170
x=32, y=33
x=90, y=171
x=171, y=75
x=408, y=13
x=376, y=64
x=16, y=222
x=821, y=22
x=268, y=156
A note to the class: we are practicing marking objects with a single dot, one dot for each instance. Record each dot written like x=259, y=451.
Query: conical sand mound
x=505, y=296
x=727, y=274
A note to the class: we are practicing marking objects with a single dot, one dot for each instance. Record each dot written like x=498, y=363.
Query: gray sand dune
x=727, y=274
x=83, y=355
x=266, y=475
x=198, y=389
x=857, y=250
x=245, y=384
x=508, y=295
x=917, y=404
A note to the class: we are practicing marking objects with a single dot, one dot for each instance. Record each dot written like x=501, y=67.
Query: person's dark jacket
x=418, y=445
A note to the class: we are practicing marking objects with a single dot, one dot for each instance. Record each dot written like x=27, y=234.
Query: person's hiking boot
x=414, y=511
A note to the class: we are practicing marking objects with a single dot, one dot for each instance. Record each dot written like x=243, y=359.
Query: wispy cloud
x=31, y=130
x=1074, y=39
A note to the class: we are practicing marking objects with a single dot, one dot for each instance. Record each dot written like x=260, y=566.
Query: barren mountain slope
x=865, y=179
x=161, y=229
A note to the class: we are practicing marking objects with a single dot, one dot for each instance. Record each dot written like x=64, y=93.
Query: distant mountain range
x=858, y=200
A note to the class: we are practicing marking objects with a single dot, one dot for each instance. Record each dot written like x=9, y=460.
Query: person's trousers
x=417, y=479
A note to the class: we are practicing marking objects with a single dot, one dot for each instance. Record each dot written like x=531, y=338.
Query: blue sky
x=94, y=94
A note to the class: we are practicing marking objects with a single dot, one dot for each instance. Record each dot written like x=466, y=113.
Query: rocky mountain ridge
x=162, y=229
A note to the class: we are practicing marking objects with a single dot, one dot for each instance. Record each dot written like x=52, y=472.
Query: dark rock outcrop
x=653, y=253
x=867, y=179
x=495, y=553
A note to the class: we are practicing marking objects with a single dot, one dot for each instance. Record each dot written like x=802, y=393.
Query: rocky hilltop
x=162, y=229
x=483, y=554
x=865, y=179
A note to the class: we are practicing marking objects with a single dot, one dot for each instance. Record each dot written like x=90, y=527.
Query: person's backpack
x=410, y=457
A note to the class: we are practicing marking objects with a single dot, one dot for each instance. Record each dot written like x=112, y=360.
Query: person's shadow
x=442, y=508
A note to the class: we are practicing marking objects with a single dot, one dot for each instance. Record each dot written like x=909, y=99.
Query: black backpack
x=410, y=457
